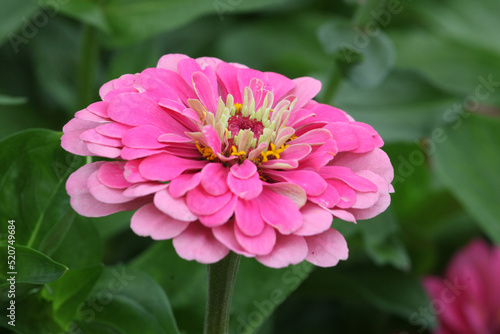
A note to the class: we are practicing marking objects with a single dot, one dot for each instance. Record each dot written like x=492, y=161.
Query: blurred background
x=424, y=74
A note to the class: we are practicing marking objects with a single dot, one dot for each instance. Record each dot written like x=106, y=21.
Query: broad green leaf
x=70, y=292
x=29, y=265
x=33, y=173
x=403, y=108
x=127, y=301
x=468, y=162
x=15, y=26
x=388, y=289
x=367, y=58
x=438, y=58
x=257, y=289
x=134, y=20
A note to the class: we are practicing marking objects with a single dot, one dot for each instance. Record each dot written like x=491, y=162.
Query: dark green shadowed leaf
x=30, y=265
x=468, y=162
x=127, y=301
x=33, y=173
x=14, y=22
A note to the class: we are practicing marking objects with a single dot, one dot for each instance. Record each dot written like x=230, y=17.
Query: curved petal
x=316, y=220
x=203, y=204
x=248, y=218
x=149, y=221
x=213, y=179
x=279, y=211
x=290, y=249
x=175, y=208
x=246, y=189
x=198, y=243
x=166, y=167
x=327, y=248
x=183, y=183
x=258, y=245
x=111, y=175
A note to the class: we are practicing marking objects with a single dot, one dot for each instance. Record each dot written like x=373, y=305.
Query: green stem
x=87, y=66
x=364, y=12
x=333, y=84
x=221, y=278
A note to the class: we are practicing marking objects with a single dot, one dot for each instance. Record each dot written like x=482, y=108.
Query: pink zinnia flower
x=467, y=300
x=220, y=157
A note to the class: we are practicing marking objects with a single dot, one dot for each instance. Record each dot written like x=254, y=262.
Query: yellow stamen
x=235, y=152
x=273, y=152
x=206, y=152
x=238, y=107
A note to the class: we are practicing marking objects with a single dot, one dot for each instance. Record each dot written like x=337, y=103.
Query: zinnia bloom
x=467, y=299
x=220, y=157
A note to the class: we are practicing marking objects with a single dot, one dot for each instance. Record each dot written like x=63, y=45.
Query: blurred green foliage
x=426, y=75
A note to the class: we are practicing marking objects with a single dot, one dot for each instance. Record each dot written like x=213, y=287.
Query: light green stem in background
x=364, y=13
x=221, y=278
x=88, y=66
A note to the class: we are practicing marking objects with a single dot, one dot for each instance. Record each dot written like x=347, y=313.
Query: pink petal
x=188, y=67
x=347, y=194
x=329, y=114
x=175, y=208
x=104, y=151
x=316, y=220
x=220, y=217
x=228, y=75
x=131, y=171
x=245, y=189
x=138, y=109
x=279, y=211
x=261, y=244
x=305, y=89
x=145, y=136
x=244, y=171
x=85, y=204
x=313, y=137
x=183, y=183
x=377, y=161
x=213, y=179
x=343, y=214
x=149, y=221
x=204, y=204
x=173, y=80
x=166, y=167
x=170, y=61
x=311, y=182
x=225, y=234
x=329, y=198
x=299, y=117
x=105, y=194
x=93, y=136
x=346, y=175
x=111, y=175
x=280, y=164
x=248, y=218
x=205, y=91
x=198, y=243
x=274, y=82
x=129, y=153
x=86, y=115
x=290, y=249
x=143, y=189
x=71, y=141
x=368, y=199
x=99, y=108
x=296, y=152
x=212, y=139
x=290, y=190
x=327, y=248
x=113, y=130
x=321, y=156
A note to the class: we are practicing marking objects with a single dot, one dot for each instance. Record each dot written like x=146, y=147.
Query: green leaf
x=366, y=58
x=128, y=301
x=468, y=162
x=15, y=15
x=403, y=108
x=71, y=291
x=135, y=20
x=258, y=289
x=31, y=266
x=33, y=172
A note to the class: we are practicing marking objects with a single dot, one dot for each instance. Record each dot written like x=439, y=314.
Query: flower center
x=251, y=130
x=240, y=122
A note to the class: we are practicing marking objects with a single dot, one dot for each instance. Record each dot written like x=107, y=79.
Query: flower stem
x=221, y=278
x=87, y=66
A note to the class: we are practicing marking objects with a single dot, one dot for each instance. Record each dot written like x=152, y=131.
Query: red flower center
x=239, y=122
